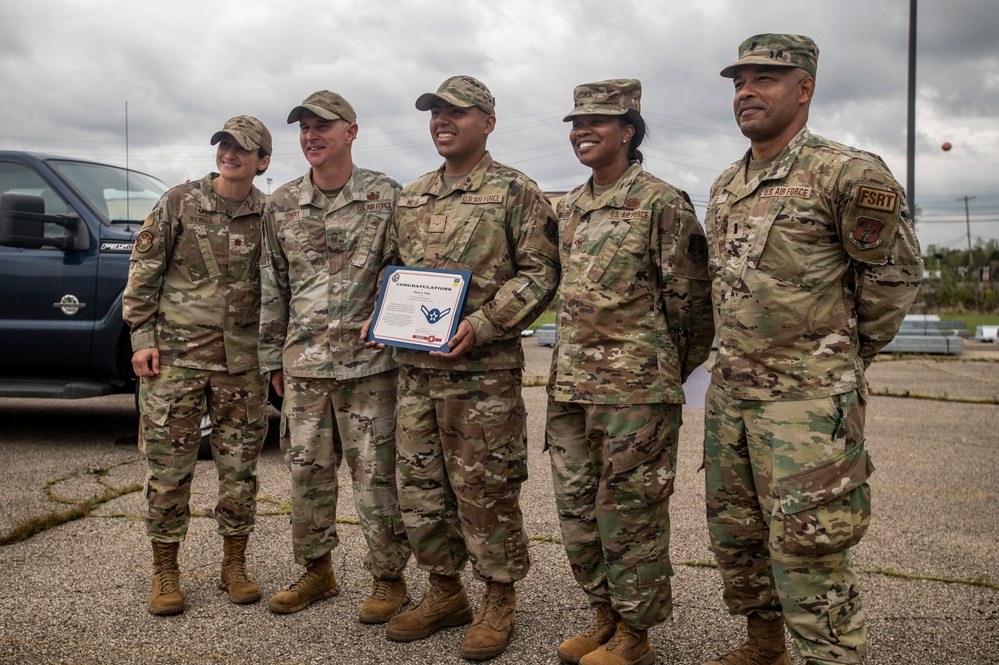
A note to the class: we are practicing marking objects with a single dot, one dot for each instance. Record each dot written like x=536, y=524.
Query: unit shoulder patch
x=877, y=199
x=697, y=248
x=144, y=242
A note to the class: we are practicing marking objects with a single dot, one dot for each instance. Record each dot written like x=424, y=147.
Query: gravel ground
x=76, y=593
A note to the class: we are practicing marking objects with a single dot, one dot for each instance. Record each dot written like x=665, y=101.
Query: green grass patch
x=546, y=317
x=35, y=525
x=887, y=392
x=982, y=580
x=972, y=320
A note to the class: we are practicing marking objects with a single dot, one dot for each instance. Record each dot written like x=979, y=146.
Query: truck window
x=21, y=179
x=114, y=193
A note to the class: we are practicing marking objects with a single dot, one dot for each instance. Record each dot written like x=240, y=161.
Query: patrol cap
x=610, y=97
x=327, y=105
x=463, y=91
x=776, y=51
x=247, y=131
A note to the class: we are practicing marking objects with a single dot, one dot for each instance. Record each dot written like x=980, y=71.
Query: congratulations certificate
x=419, y=308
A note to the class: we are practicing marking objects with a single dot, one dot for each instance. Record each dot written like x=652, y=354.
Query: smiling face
x=771, y=104
x=325, y=143
x=238, y=164
x=598, y=140
x=460, y=134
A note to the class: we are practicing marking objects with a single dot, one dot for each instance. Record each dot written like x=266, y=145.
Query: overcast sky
x=68, y=68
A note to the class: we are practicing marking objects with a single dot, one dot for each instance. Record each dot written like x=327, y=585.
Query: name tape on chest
x=288, y=216
x=785, y=191
x=372, y=207
x=877, y=199
x=200, y=219
x=477, y=199
x=632, y=214
x=413, y=201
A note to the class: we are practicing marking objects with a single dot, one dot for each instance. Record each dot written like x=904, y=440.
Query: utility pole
x=967, y=224
x=910, y=138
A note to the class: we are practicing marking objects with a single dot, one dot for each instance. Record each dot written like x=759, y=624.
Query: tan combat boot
x=235, y=580
x=317, y=582
x=166, y=597
x=591, y=639
x=628, y=646
x=387, y=596
x=764, y=646
x=489, y=634
x=444, y=604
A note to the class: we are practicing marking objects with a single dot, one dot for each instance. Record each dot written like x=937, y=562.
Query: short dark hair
x=261, y=153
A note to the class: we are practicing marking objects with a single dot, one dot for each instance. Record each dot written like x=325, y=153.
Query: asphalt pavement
x=76, y=592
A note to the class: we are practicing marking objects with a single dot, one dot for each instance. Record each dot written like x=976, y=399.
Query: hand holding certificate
x=419, y=308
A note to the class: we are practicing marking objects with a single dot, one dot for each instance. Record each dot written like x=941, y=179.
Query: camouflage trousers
x=171, y=404
x=324, y=421
x=462, y=441
x=613, y=470
x=787, y=496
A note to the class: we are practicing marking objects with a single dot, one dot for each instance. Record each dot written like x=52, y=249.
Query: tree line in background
x=952, y=283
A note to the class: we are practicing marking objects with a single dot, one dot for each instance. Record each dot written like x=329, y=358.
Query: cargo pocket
x=827, y=508
x=845, y=619
x=642, y=473
x=155, y=413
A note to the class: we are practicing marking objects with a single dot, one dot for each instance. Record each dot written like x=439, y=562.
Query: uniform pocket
x=790, y=239
x=641, y=469
x=615, y=263
x=303, y=257
x=368, y=251
x=155, y=409
x=827, y=508
x=490, y=248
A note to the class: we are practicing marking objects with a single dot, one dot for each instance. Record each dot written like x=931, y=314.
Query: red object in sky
x=946, y=146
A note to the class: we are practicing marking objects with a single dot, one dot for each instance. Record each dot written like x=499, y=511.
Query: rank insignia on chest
x=374, y=196
x=867, y=232
x=438, y=223
x=632, y=203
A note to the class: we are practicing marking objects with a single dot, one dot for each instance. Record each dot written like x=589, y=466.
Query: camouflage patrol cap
x=327, y=105
x=611, y=97
x=463, y=91
x=776, y=51
x=247, y=131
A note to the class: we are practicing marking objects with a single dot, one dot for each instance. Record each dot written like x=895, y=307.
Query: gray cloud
x=68, y=68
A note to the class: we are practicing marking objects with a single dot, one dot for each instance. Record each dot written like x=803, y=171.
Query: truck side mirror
x=23, y=220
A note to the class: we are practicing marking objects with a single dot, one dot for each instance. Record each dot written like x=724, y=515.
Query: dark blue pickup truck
x=66, y=232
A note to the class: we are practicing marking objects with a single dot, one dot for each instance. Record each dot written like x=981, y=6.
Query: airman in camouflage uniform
x=815, y=262
x=635, y=321
x=461, y=421
x=325, y=239
x=193, y=303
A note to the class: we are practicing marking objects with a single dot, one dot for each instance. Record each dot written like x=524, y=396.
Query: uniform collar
x=472, y=182
x=253, y=204
x=616, y=196
x=312, y=195
x=779, y=168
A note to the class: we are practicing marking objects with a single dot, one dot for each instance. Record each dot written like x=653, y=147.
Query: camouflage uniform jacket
x=814, y=264
x=635, y=317
x=205, y=313
x=320, y=276
x=498, y=224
